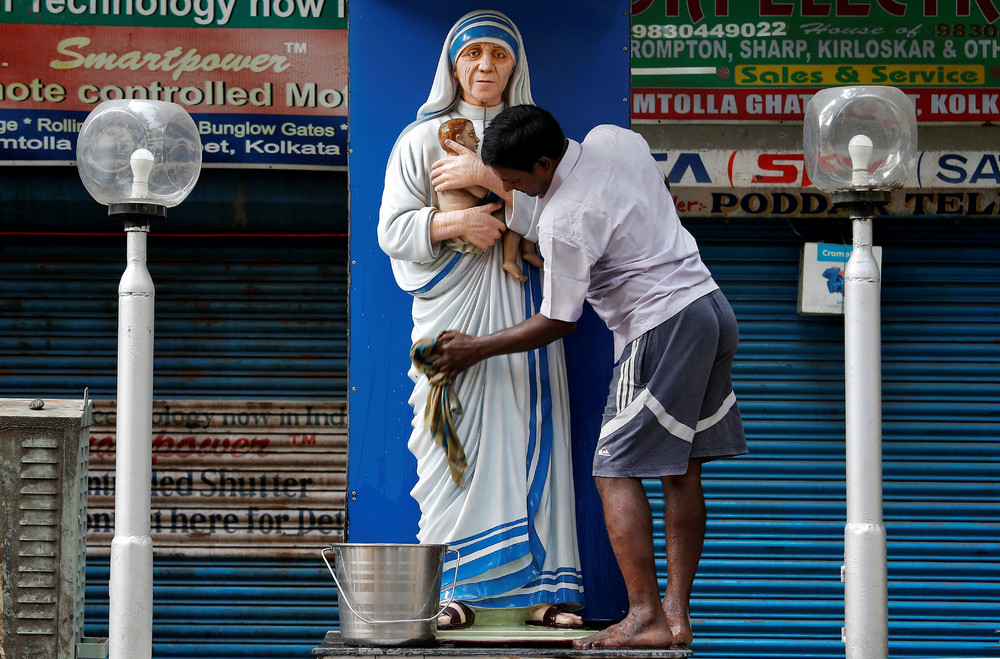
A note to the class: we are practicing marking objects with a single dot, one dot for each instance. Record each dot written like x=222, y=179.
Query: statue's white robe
x=514, y=523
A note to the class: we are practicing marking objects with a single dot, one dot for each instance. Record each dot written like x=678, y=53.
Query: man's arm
x=460, y=351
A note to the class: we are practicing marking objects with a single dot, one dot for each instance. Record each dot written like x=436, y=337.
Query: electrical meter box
x=43, y=511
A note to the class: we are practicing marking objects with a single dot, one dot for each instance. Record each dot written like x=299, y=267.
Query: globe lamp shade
x=859, y=138
x=139, y=151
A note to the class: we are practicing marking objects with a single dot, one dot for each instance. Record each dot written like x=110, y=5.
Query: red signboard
x=266, y=83
x=717, y=60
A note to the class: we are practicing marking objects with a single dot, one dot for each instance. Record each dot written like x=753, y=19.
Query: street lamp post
x=858, y=144
x=139, y=158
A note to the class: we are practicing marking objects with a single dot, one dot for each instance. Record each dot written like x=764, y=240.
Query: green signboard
x=720, y=60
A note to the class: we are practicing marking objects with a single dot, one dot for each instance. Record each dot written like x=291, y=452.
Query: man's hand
x=457, y=352
x=463, y=170
x=460, y=351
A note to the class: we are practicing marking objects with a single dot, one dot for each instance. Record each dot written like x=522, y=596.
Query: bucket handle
x=347, y=601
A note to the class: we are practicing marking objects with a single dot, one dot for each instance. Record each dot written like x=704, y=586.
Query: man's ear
x=547, y=165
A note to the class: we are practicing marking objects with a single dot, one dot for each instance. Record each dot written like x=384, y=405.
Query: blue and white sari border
x=438, y=277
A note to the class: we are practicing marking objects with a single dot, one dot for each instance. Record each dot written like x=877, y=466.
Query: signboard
x=821, y=277
x=756, y=183
x=240, y=478
x=264, y=80
x=710, y=60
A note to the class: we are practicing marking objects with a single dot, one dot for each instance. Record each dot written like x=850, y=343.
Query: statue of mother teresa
x=512, y=516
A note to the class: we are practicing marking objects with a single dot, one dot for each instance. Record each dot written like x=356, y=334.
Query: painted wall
x=394, y=47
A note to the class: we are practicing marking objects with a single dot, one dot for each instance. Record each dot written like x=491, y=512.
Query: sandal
x=549, y=619
x=460, y=616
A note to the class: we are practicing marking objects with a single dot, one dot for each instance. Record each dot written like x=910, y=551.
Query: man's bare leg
x=684, y=515
x=630, y=528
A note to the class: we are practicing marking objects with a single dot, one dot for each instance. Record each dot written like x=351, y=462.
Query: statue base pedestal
x=522, y=643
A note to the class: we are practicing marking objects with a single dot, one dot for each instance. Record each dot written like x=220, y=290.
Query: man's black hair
x=519, y=136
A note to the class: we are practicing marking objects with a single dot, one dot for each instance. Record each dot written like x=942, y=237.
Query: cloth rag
x=442, y=407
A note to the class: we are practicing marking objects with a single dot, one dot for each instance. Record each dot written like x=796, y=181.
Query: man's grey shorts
x=672, y=398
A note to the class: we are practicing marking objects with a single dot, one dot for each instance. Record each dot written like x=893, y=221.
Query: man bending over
x=609, y=235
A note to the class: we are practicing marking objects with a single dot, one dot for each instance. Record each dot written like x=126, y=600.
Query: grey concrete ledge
x=333, y=647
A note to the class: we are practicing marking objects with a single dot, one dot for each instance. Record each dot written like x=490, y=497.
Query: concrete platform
x=555, y=644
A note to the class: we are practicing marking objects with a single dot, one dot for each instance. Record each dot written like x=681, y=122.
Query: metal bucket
x=388, y=594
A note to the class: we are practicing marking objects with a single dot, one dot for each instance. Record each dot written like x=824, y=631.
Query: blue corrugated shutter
x=769, y=583
x=251, y=303
x=248, y=317
x=278, y=609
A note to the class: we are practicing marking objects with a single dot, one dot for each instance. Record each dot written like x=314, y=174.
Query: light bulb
x=142, y=164
x=860, y=148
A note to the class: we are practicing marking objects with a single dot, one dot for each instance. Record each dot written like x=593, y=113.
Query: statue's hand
x=463, y=170
x=480, y=227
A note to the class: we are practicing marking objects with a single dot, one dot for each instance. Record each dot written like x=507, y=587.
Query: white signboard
x=821, y=277
x=754, y=183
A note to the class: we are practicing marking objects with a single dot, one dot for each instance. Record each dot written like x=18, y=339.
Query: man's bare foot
x=631, y=633
x=515, y=272
x=680, y=625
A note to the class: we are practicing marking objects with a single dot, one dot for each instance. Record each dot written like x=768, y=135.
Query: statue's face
x=482, y=70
